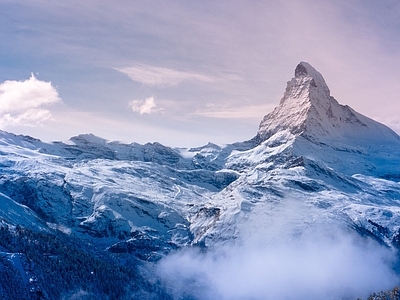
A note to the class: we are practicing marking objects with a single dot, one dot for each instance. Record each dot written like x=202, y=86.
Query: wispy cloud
x=234, y=112
x=147, y=106
x=23, y=102
x=154, y=76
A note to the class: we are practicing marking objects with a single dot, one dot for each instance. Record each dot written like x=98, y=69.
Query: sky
x=185, y=73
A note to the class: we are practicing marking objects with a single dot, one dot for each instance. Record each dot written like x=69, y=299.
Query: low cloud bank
x=315, y=265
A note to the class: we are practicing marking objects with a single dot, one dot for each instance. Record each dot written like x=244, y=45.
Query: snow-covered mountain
x=330, y=162
x=312, y=163
x=340, y=162
x=109, y=191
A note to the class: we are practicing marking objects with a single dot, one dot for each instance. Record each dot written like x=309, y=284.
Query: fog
x=324, y=262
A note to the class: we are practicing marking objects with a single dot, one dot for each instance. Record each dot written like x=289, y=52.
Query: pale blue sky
x=187, y=72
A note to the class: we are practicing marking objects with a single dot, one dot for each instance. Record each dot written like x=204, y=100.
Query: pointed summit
x=305, y=70
x=308, y=109
x=300, y=70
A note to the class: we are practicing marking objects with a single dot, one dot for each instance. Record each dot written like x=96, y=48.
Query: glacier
x=314, y=165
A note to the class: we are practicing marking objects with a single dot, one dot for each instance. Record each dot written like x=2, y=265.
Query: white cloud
x=146, y=106
x=335, y=268
x=235, y=112
x=282, y=253
x=153, y=76
x=23, y=102
x=31, y=117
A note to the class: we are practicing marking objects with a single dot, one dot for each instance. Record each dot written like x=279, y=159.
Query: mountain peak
x=304, y=72
x=304, y=93
x=301, y=69
x=305, y=69
x=308, y=109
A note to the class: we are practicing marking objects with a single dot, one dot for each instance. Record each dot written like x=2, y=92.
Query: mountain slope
x=109, y=192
